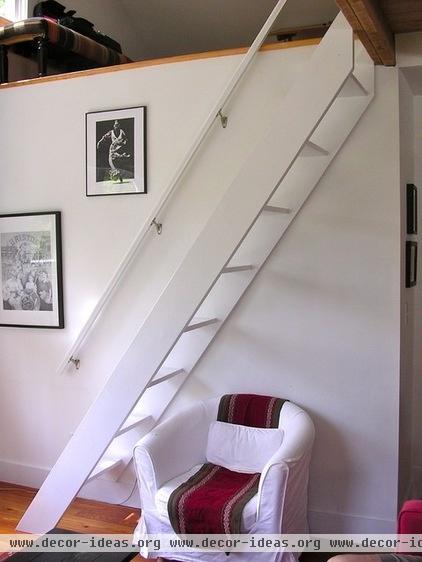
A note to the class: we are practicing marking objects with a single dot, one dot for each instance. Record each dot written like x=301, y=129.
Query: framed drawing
x=31, y=270
x=412, y=208
x=411, y=263
x=116, y=151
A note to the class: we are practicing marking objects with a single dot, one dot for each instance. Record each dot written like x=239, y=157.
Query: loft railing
x=217, y=112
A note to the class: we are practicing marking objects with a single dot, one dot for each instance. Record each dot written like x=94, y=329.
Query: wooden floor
x=83, y=516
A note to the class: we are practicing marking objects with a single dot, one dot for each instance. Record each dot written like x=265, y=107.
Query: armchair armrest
x=286, y=473
x=170, y=449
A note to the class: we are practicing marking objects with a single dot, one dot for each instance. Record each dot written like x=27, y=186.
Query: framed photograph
x=31, y=270
x=412, y=208
x=116, y=152
x=411, y=263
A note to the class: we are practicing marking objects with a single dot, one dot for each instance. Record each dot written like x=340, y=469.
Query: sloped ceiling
x=170, y=27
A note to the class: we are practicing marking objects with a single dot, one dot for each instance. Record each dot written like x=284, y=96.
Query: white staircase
x=310, y=126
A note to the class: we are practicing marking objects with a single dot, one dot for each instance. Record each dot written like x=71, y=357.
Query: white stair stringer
x=268, y=165
x=117, y=485
x=271, y=225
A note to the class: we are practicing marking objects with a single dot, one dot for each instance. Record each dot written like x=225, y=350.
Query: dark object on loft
x=50, y=9
x=52, y=40
x=55, y=10
x=85, y=27
x=412, y=208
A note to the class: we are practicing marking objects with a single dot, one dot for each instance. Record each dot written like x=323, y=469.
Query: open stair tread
x=132, y=421
x=310, y=149
x=276, y=209
x=235, y=268
x=106, y=464
x=198, y=322
x=353, y=87
x=165, y=375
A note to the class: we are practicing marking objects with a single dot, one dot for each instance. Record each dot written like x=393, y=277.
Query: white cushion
x=241, y=448
x=163, y=495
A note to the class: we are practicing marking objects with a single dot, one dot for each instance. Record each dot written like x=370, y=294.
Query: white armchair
x=169, y=455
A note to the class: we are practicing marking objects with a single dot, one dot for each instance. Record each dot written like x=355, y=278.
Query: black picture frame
x=116, y=151
x=411, y=263
x=412, y=208
x=31, y=270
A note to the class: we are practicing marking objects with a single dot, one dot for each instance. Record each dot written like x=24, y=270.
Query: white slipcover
x=175, y=449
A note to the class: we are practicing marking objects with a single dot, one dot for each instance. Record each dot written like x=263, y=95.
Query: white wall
x=407, y=318
x=44, y=168
x=415, y=297
x=409, y=57
x=321, y=324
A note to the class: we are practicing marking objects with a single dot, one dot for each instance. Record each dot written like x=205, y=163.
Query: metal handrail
x=215, y=113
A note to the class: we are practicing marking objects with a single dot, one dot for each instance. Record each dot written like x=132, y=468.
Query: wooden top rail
x=155, y=62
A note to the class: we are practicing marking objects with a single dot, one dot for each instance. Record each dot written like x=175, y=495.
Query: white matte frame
x=137, y=184
x=23, y=228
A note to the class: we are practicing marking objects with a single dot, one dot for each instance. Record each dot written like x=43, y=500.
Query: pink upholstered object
x=410, y=519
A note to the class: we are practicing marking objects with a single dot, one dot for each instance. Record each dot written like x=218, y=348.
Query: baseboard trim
x=330, y=522
x=125, y=492
x=22, y=474
x=103, y=490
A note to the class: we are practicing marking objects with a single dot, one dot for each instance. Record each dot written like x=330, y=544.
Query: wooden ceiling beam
x=404, y=15
x=370, y=24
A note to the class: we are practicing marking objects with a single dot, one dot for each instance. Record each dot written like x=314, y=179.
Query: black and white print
x=30, y=266
x=26, y=271
x=115, y=152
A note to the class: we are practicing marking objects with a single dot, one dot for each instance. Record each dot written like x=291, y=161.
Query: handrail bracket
x=223, y=118
x=76, y=362
x=158, y=225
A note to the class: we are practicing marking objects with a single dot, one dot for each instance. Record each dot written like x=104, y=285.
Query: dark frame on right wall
x=412, y=208
x=411, y=263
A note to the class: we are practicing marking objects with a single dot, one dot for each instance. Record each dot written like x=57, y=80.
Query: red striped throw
x=212, y=500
